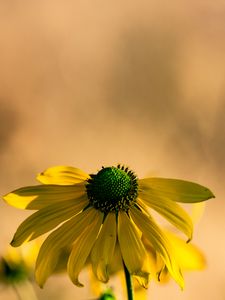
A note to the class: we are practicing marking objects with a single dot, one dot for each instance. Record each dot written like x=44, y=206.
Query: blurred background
x=92, y=83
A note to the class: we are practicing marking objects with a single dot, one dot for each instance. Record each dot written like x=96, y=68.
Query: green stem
x=130, y=295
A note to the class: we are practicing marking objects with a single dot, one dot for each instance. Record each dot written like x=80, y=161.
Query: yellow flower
x=17, y=265
x=90, y=214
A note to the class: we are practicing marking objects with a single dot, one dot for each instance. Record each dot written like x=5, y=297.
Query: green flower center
x=13, y=273
x=112, y=189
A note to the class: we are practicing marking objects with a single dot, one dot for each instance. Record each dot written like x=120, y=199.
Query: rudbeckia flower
x=90, y=214
x=16, y=269
x=17, y=265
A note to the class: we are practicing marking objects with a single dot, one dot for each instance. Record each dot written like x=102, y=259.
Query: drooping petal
x=155, y=260
x=56, y=242
x=159, y=241
x=132, y=249
x=139, y=292
x=173, y=212
x=103, y=249
x=62, y=260
x=82, y=248
x=47, y=219
x=62, y=175
x=116, y=264
x=39, y=196
x=190, y=257
x=176, y=190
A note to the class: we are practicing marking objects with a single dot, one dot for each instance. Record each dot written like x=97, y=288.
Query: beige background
x=92, y=83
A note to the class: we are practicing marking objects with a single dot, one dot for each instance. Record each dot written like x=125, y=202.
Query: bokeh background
x=92, y=83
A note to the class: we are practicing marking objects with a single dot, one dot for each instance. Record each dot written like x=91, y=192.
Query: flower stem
x=130, y=295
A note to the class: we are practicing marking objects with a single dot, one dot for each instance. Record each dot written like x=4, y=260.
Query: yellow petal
x=95, y=285
x=39, y=196
x=139, y=292
x=56, y=242
x=188, y=255
x=62, y=260
x=173, y=212
x=116, y=264
x=82, y=248
x=62, y=175
x=103, y=250
x=159, y=241
x=155, y=260
x=197, y=210
x=28, y=252
x=176, y=190
x=159, y=271
x=132, y=248
x=47, y=219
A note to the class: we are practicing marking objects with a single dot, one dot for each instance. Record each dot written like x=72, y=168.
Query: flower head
x=17, y=265
x=91, y=214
